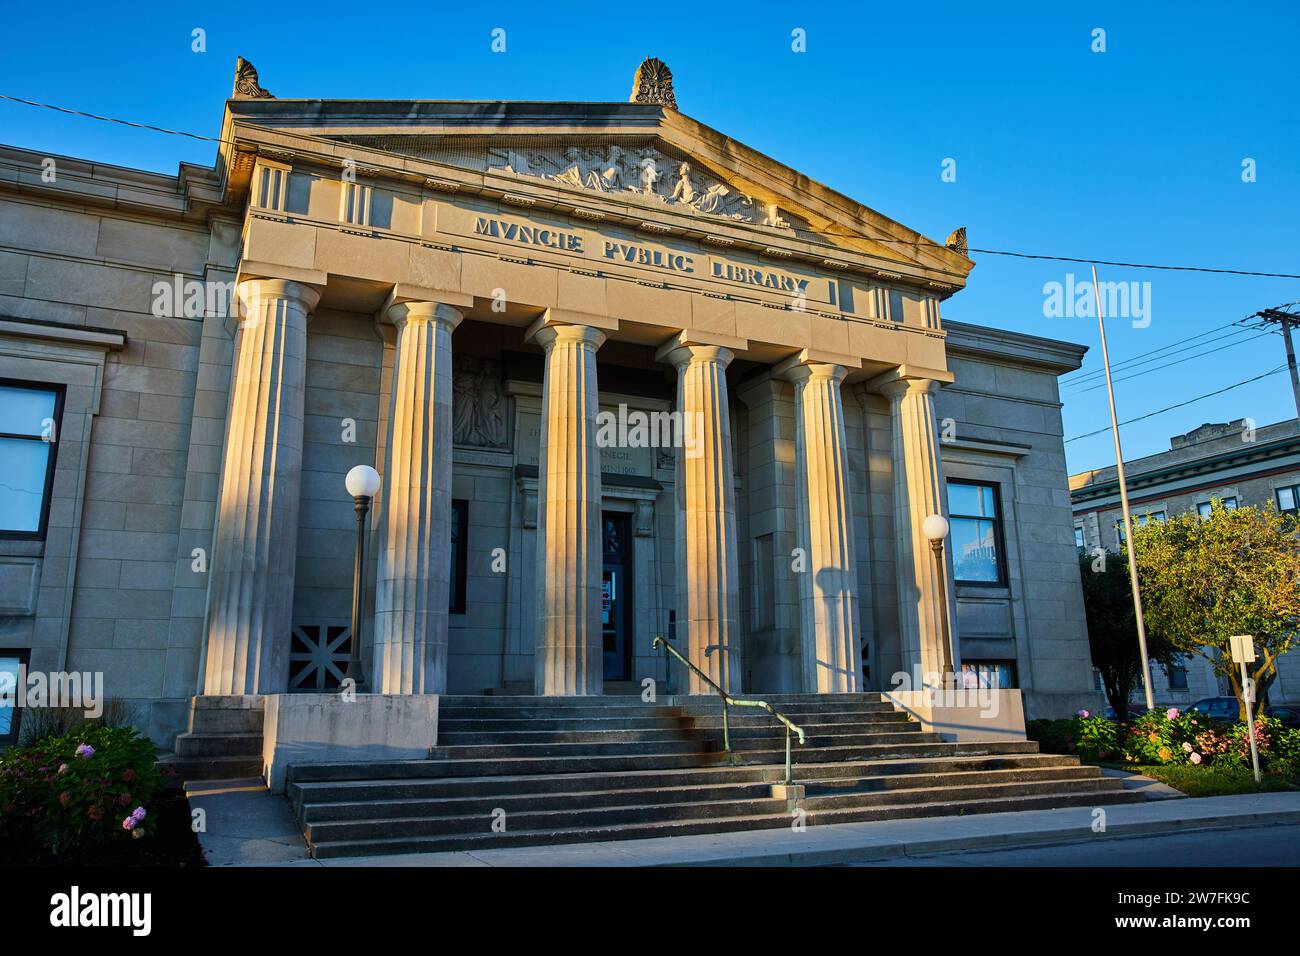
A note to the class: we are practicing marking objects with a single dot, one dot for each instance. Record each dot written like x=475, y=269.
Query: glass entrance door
x=616, y=596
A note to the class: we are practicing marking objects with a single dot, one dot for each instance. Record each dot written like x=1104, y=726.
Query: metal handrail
x=728, y=701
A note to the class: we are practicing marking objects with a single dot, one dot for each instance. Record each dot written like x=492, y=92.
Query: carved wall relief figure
x=478, y=403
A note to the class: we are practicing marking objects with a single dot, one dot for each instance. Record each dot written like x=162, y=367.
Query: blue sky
x=1134, y=154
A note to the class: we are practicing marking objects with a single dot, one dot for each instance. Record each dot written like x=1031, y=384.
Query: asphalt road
x=1248, y=846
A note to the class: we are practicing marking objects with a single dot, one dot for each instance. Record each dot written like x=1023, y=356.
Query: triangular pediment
x=646, y=158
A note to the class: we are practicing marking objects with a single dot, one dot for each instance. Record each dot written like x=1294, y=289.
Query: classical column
x=568, y=658
x=250, y=600
x=918, y=492
x=831, y=637
x=708, y=575
x=412, y=580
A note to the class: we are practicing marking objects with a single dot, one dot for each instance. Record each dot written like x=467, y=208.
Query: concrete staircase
x=224, y=741
x=570, y=770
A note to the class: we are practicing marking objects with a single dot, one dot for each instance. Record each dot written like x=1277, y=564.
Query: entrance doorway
x=616, y=595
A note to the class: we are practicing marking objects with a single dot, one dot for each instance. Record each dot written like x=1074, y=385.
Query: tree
x=1233, y=572
x=1112, y=627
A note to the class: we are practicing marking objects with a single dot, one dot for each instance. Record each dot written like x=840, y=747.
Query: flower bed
x=85, y=788
x=1172, y=738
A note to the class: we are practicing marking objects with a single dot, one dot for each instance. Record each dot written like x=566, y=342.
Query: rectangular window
x=1079, y=541
x=1177, y=674
x=272, y=185
x=1206, y=508
x=459, y=554
x=1288, y=498
x=764, y=603
x=10, y=663
x=30, y=416
x=976, y=533
x=990, y=674
x=1139, y=520
x=356, y=204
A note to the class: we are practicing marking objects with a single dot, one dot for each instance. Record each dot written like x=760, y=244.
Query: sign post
x=1243, y=652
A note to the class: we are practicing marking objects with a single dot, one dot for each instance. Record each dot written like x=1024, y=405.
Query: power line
x=1080, y=376
x=827, y=232
x=1213, y=350
x=1170, y=408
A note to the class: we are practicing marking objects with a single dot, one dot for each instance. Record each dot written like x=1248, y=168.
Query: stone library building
x=620, y=375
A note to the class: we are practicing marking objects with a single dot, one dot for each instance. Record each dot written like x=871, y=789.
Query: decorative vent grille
x=318, y=656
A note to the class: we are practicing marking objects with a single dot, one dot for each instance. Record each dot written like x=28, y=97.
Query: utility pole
x=1286, y=320
x=1123, y=499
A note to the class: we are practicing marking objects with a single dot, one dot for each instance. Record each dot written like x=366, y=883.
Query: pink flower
x=1083, y=713
x=138, y=814
x=85, y=750
x=63, y=768
x=1195, y=758
x=129, y=823
x=1187, y=748
x=1172, y=713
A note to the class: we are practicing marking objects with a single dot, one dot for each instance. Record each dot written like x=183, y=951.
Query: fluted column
x=918, y=492
x=568, y=658
x=830, y=632
x=412, y=580
x=708, y=575
x=250, y=599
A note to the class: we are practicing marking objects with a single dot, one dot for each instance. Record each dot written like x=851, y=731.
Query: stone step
x=219, y=745
x=180, y=769
x=649, y=722
x=450, y=733
x=828, y=776
x=618, y=764
x=682, y=827
x=654, y=810
x=652, y=742
x=383, y=806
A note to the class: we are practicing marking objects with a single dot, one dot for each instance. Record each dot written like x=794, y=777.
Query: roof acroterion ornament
x=653, y=83
x=957, y=241
x=246, y=85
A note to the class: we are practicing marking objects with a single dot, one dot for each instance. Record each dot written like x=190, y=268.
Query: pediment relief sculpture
x=646, y=173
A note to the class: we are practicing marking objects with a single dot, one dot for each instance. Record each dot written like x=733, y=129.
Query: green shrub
x=86, y=787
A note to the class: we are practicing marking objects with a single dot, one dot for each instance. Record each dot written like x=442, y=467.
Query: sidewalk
x=249, y=827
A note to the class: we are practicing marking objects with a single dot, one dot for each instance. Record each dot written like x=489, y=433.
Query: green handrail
x=728, y=701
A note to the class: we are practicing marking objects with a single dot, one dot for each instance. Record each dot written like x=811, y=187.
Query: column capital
x=547, y=334
x=679, y=356
x=251, y=291
x=799, y=371
x=403, y=312
x=900, y=387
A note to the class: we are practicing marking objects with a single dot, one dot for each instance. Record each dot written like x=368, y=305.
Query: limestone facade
x=496, y=323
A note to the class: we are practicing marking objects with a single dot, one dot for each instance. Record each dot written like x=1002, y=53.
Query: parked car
x=1290, y=716
x=1217, y=708
x=1134, y=710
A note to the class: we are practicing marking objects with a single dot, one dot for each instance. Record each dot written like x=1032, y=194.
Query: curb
x=1018, y=840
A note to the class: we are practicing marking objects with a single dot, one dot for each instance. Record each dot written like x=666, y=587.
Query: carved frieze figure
x=572, y=173
x=512, y=161
x=609, y=178
x=649, y=175
x=772, y=216
x=653, y=83
x=684, y=190
x=246, y=84
x=478, y=412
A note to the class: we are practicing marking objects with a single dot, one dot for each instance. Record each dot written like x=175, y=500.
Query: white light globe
x=935, y=527
x=362, y=482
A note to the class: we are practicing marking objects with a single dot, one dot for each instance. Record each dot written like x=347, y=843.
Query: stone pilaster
x=250, y=600
x=569, y=557
x=830, y=631
x=412, y=580
x=708, y=574
x=918, y=492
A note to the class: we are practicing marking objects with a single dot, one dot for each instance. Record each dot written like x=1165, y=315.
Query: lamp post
x=935, y=528
x=362, y=483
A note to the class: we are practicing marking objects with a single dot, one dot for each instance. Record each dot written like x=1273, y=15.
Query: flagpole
x=1123, y=499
